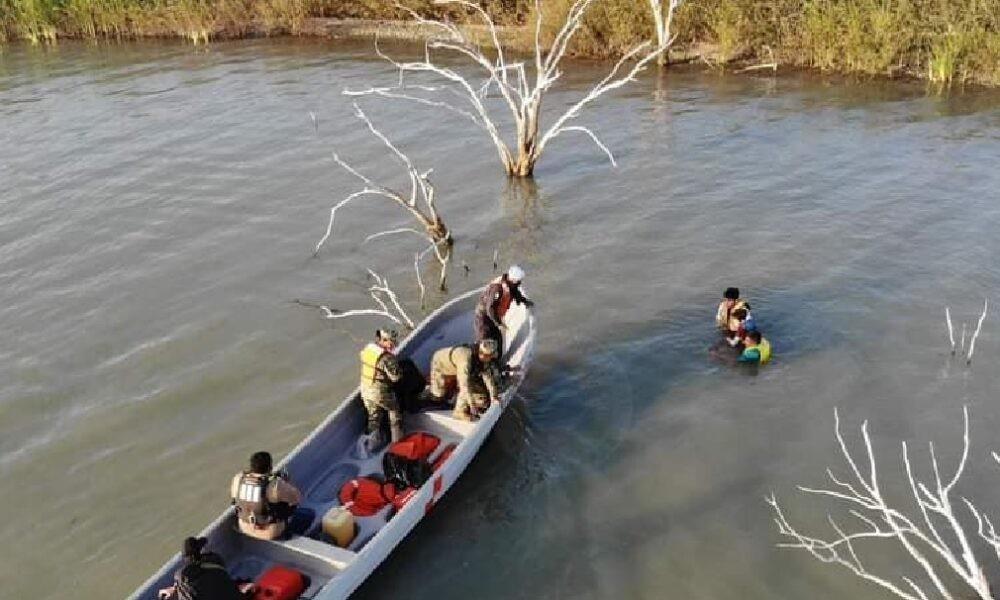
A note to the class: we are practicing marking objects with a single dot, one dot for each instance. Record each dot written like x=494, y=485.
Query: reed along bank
x=943, y=41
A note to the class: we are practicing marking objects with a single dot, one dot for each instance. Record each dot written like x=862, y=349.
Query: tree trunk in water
x=527, y=137
x=439, y=232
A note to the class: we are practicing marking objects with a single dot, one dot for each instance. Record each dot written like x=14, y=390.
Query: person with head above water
x=379, y=371
x=742, y=322
x=724, y=314
x=494, y=303
x=757, y=350
x=472, y=372
x=203, y=576
x=264, y=500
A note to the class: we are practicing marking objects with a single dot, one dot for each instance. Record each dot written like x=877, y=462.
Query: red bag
x=444, y=456
x=416, y=446
x=364, y=496
x=280, y=583
x=403, y=497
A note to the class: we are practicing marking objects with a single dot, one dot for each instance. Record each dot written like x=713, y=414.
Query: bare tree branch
x=419, y=202
x=979, y=327
x=522, y=92
x=882, y=520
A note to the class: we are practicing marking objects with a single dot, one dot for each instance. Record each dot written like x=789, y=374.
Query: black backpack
x=206, y=579
x=404, y=472
x=409, y=387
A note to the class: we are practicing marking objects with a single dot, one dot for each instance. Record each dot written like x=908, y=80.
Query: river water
x=160, y=204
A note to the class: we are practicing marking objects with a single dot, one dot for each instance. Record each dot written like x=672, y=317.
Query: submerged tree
x=522, y=85
x=433, y=230
x=929, y=531
x=663, y=18
x=975, y=334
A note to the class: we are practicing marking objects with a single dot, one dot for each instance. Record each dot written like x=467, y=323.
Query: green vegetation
x=945, y=41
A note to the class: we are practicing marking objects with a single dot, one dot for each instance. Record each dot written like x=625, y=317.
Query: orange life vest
x=502, y=304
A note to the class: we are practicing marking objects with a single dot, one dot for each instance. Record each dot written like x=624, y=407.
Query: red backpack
x=416, y=446
x=365, y=496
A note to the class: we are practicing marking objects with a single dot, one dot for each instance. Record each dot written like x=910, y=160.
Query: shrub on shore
x=945, y=41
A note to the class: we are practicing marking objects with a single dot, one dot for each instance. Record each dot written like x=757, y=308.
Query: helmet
x=515, y=273
x=488, y=347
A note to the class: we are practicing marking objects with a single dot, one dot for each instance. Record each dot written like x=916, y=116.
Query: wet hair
x=754, y=335
x=193, y=547
x=260, y=462
x=740, y=313
x=732, y=293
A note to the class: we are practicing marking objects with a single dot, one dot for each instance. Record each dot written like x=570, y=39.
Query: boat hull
x=328, y=456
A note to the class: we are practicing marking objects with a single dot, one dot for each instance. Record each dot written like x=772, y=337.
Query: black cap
x=193, y=546
x=732, y=293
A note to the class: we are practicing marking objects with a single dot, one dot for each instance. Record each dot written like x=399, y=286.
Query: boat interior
x=333, y=455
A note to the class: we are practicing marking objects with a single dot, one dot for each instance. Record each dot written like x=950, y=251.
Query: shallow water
x=159, y=207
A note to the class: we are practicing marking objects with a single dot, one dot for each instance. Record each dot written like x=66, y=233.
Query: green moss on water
x=945, y=41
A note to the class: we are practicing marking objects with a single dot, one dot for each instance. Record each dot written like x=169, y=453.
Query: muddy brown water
x=159, y=207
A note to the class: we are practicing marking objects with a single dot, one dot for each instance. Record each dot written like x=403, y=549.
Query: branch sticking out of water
x=951, y=330
x=979, y=327
x=382, y=295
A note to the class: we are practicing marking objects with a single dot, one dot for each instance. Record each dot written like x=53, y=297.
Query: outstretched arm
x=519, y=297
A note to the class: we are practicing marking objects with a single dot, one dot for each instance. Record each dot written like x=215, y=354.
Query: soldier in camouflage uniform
x=473, y=371
x=379, y=371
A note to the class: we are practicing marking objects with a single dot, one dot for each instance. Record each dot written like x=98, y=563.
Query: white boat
x=329, y=457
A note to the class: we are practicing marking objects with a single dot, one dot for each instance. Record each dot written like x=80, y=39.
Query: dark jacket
x=206, y=578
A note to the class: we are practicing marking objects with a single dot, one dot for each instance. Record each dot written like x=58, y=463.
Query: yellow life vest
x=764, y=347
x=369, y=363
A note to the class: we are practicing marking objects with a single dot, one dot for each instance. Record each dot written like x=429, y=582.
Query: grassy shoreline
x=944, y=41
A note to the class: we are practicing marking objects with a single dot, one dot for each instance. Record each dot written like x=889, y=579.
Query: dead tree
x=384, y=298
x=419, y=203
x=663, y=18
x=975, y=334
x=521, y=85
x=932, y=535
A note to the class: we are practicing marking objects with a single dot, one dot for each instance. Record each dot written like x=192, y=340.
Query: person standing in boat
x=379, y=371
x=203, y=576
x=494, y=303
x=473, y=370
x=264, y=500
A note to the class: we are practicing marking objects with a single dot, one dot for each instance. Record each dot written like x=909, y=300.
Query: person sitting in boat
x=757, y=350
x=730, y=302
x=203, y=576
x=472, y=371
x=494, y=303
x=379, y=371
x=264, y=500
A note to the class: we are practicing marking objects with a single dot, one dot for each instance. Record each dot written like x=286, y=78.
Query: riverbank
x=943, y=41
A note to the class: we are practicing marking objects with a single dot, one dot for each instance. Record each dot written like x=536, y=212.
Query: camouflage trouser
x=443, y=386
x=380, y=400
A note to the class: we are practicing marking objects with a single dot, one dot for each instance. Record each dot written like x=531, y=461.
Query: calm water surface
x=158, y=207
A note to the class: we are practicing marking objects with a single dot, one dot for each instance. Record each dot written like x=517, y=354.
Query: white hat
x=515, y=273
